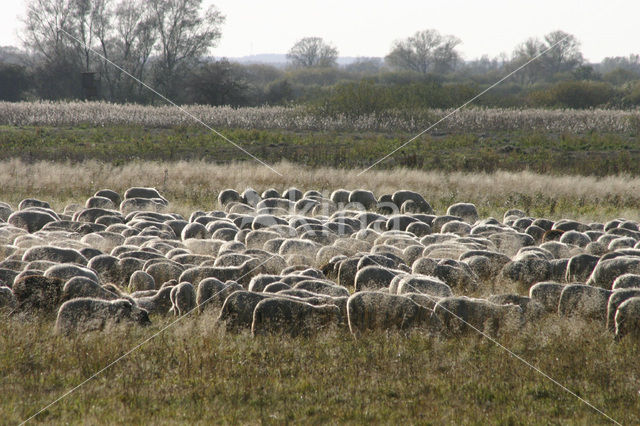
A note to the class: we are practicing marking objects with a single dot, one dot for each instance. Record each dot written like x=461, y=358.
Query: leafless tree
x=312, y=52
x=184, y=35
x=426, y=51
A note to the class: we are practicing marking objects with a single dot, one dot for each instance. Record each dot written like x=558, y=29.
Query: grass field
x=196, y=373
x=598, y=154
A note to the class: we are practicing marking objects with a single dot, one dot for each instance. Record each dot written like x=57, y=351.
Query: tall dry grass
x=191, y=185
x=300, y=118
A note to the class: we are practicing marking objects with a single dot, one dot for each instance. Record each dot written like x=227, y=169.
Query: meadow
x=554, y=164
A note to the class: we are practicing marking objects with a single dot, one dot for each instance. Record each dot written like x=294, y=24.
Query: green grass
x=585, y=154
x=195, y=373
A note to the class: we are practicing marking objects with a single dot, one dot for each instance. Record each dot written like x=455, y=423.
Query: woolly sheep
x=627, y=318
x=291, y=317
x=38, y=294
x=183, y=298
x=615, y=300
x=463, y=315
x=85, y=314
x=584, y=301
x=378, y=311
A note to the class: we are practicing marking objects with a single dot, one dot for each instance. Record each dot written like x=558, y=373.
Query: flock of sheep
x=296, y=263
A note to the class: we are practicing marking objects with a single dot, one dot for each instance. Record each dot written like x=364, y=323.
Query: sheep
x=423, y=284
x=141, y=280
x=276, y=287
x=35, y=293
x=183, y=298
x=547, y=294
x=402, y=196
x=159, y=303
x=374, y=278
x=110, y=194
x=526, y=272
x=85, y=287
x=462, y=315
x=368, y=310
x=585, y=302
x=227, y=196
x=625, y=281
x=580, y=267
x=54, y=254
x=607, y=270
x=32, y=202
x=468, y=212
x=7, y=299
x=364, y=198
x=322, y=287
x=531, y=309
x=286, y=316
x=163, y=271
x=213, y=292
x=242, y=273
x=627, y=319
x=615, y=300
x=237, y=310
x=30, y=220
x=85, y=314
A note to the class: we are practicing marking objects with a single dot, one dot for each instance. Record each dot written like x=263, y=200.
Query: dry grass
x=195, y=185
x=195, y=373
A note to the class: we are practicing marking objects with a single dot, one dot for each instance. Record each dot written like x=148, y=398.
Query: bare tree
x=312, y=52
x=564, y=56
x=425, y=51
x=184, y=35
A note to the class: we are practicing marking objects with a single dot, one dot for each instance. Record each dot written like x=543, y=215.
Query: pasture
x=196, y=370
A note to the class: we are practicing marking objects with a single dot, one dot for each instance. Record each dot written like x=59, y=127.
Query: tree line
x=166, y=44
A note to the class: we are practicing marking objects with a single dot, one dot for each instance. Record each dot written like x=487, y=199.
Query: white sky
x=367, y=28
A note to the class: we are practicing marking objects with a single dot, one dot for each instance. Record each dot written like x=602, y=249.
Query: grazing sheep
x=627, y=319
x=625, y=281
x=402, y=196
x=66, y=271
x=54, y=254
x=110, y=194
x=322, y=287
x=213, y=292
x=374, y=278
x=7, y=299
x=468, y=212
x=38, y=294
x=585, y=302
x=607, y=270
x=30, y=220
x=183, y=298
x=463, y=315
x=141, y=280
x=237, y=310
x=423, y=284
x=364, y=198
x=85, y=314
x=227, y=196
x=379, y=311
x=580, y=267
x=615, y=300
x=547, y=294
x=276, y=287
x=160, y=303
x=286, y=316
x=85, y=287
x=528, y=271
x=163, y=271
x=531, y=309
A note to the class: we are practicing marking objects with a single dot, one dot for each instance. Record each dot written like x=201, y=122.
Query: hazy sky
x=367, y=28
